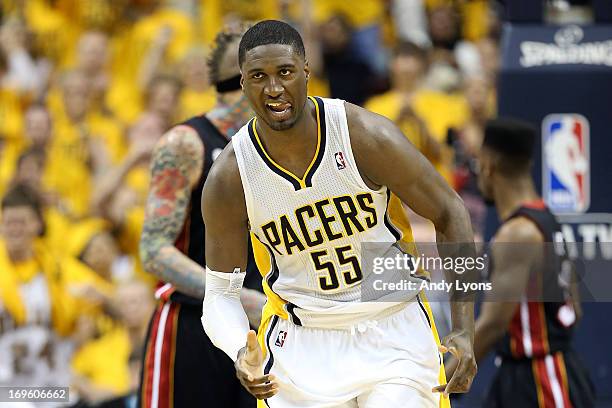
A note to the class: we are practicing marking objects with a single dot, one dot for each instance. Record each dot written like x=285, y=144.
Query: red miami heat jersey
x=538, y=329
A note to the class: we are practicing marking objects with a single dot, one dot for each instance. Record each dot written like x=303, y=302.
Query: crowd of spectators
x=88, y=87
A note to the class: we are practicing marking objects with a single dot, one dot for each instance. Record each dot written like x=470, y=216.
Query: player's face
x=274, y=80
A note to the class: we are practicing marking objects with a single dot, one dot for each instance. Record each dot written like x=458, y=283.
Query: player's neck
x=229, y=118
x=511, y=193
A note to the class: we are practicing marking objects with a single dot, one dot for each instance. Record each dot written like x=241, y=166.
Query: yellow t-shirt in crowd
x=318, y=86
x=92, y=14
x=475, y=16
x=54, y=34
x=105, y=361
x=138, y=179
x=110, y=133
x=67, y=171
x=136, y=43
x=148, y=28
x=11, y=135
x=438, y=110
x=124, y=99
x=63, y=308
x=128, y=51
x=361, y=13
x=11, y=117
x=76, y=276
x=9, y=154
x=71, y=155
x=57, y=228
x=214, y=13
x=104, y=127
x=196, y=103
x=129, y=241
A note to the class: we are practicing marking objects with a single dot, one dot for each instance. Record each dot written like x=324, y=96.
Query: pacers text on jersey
x=335, y=218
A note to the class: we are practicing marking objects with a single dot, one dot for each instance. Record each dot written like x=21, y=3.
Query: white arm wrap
x=223, y=317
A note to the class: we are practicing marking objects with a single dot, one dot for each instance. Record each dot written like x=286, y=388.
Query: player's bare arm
x=176, y=167
x=225, y=216
x=512, y=265
x=386, y=157
x=516, y=254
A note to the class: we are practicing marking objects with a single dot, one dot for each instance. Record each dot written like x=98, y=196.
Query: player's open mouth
x=280, y=110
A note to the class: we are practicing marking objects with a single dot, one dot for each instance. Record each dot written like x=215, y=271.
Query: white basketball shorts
x=390, y=363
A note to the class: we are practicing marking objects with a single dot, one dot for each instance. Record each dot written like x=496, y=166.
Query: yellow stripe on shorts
x=444, y=402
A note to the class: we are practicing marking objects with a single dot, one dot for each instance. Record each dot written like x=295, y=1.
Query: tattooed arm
x=175, y=169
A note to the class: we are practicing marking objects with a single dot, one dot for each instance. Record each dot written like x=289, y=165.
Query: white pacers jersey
x=308, y=232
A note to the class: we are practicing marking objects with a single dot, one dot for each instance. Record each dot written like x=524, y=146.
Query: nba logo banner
x=566, y=163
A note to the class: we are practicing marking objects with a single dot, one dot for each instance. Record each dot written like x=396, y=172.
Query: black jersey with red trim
x=191, y=240
x=542, y=327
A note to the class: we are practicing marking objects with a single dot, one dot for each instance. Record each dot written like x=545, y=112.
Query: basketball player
x=532, y=337
x=181, y=367
x=311, y=179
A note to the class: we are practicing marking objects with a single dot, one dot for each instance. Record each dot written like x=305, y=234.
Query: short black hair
x=510, y=137
x=513, y=140
x=221, y=42
x=22, y=195
x=270, y=32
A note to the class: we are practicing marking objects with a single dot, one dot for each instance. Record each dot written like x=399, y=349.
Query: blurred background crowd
x=87, y=88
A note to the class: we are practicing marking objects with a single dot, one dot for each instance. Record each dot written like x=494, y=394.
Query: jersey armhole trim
x=246, y=190
x=346, y=141
x=532, y=219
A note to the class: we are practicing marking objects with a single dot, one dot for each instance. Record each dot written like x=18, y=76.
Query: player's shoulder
x=180, y=149
x=181, y=140
x=519, y=230
x=223, y=193
x=370, y=132
x=224, y=175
